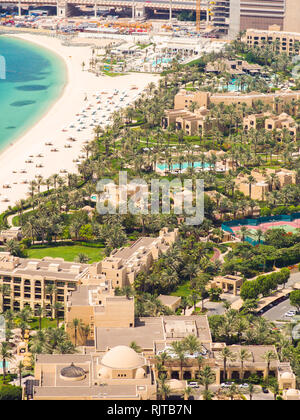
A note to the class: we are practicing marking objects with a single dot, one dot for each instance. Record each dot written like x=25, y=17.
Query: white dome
x=104, y=372
x=122, y=357
x=140, y=373
x=287, y=375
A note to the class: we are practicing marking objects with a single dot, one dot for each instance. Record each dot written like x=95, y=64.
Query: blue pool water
x=35, y=78
x=185, y=165
x=6, y=365
x=159, y=61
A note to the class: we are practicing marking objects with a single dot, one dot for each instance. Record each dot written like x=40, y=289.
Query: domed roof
x=292, y=392
x=104, y=372
x=122, y=357
x=140, y=373
x=287, y=375
x=72, y=371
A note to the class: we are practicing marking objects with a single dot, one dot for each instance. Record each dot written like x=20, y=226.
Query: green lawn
x=67, y=252
x=183, y=290
x=46, y=323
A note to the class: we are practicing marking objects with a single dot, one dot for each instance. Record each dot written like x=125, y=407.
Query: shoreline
x=53, y=102
x=54, y=125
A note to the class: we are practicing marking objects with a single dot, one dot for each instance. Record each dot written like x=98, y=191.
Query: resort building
x=286, y=42
x=171, y=302
x=233, y=67
x=277, y=101
x=192, y=123
x=117, y=374
x=97, y=306
x=110, y=369
x=282, y=122
x=124, y=264
x=264, y=182
x=271, y=122
x=13, y=233
x=153, y=334
x=27, y=282
x=228, y=283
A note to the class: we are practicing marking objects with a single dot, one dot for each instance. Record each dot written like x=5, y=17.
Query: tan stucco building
x=191, y=123
x=118, y=374
x=171, y=302
x=227, y=283
x=262, y=183
x=27, y=281
x=287, y=42
x=111, y=370
x=183, y=99
x=271, y=122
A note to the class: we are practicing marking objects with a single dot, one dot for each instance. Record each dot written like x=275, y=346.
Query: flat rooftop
x=127, y=253
x=47, y=267
x=148, y=331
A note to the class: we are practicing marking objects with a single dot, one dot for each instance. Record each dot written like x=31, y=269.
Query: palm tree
x=252, y=389
x=192, y=344
x=163, y=388
x=161, y=359
x=178, y=348
x=51, y=291
x=85, y=330
x=226, y=354
x=76, y=324
x=274, y=387
x=243, y=355
x=133, y=345
x=251, y=181
x=244, y=231
x=207, y=377
x=200, y=360
x=259, y=234
x=39, y=312
x=57, y=306
x=188, y=392
x=233, y=391
x=5, y=355
x=207, y=395
x=20, y=368
x=268, y=356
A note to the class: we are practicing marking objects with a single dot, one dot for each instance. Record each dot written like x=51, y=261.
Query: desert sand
x=83, y=104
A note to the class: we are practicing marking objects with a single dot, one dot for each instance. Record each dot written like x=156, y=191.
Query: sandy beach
x=71, y=116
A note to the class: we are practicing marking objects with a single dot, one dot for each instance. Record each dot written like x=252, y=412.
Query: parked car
x=265, y=390
x=193, y=385
x=226, y=384
x=244, y=386
x=290, y=313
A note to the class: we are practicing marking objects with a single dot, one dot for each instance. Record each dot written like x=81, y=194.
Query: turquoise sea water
x=35, y=78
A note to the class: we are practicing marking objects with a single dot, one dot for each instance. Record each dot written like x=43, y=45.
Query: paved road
x=257, y=396
x=277, y=312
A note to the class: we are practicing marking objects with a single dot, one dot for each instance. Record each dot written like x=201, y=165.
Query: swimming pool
x=184, y=165
x=6, y=365
x=160, y=61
